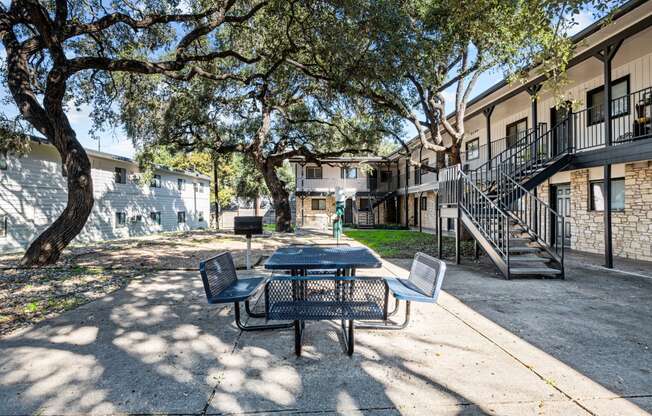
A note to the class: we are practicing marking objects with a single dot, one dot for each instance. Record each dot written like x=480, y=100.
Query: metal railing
x=540, y=221
x=497, y=147
x=489, y=218
x=449, y=185
x=631, y=119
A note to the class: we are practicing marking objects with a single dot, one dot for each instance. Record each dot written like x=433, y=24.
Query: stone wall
x=631, y=228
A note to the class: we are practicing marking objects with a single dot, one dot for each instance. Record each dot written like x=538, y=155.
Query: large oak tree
x=61, y=52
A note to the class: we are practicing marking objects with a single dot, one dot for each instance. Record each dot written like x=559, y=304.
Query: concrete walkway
x=577, y=347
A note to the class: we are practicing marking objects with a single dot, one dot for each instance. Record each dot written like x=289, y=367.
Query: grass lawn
x=405, y=243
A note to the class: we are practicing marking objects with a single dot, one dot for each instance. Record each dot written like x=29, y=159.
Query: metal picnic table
x=335, y=293
x=343, y=259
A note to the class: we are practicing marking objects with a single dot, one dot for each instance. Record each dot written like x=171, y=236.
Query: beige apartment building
x=542, y=186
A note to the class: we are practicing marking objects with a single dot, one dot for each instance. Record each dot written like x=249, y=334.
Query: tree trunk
x=47, y=248
x=280, y=197
x=216, y=187
x=454, y=154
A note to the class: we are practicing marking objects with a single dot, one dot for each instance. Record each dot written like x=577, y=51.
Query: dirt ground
x=88, y=272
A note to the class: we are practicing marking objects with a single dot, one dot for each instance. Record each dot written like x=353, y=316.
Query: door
x=560, y=128
x=415, y=210
x=348, y=212
x=562, y=204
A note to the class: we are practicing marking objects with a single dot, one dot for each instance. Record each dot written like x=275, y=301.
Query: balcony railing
x=329, y=184
x=479, y=157
x=631, y=120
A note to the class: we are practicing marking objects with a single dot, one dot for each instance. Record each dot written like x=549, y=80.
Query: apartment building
x=33, y=192
x=525, y=157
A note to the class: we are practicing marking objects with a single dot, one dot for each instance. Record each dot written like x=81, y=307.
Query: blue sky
x=114, y=140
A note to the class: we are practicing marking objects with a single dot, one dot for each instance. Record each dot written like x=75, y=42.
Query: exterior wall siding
x=33, y=193
x=631, y=228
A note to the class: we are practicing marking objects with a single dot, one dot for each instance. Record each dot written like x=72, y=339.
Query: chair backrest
x=427, y=274
x=217, y=273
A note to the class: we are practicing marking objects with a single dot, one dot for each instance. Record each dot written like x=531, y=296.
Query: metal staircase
x=496, y=203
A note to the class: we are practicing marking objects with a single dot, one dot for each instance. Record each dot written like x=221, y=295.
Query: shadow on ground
x=596, y=322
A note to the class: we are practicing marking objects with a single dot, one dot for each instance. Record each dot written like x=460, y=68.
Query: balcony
x=328, y=185
x=631, y=120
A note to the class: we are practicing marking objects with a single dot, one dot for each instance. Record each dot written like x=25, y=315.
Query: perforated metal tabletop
x=315, y=257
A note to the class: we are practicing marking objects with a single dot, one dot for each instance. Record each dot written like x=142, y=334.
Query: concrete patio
x=574, y=347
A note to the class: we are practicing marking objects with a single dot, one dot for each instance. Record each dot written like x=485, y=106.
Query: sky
x=115, y=141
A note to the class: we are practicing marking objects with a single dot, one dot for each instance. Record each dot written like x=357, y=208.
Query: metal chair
x=222, y=285
x=422, y=285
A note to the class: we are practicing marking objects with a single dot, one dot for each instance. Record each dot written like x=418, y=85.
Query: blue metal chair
x=222, y=285
x=422, y=285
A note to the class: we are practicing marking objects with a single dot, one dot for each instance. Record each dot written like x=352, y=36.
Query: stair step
x=527, y=258
x=524, y=249
x=547, y=271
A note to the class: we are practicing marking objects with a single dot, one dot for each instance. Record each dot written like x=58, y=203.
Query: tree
x=406, y=56
x=279, y=114
x=58, y=51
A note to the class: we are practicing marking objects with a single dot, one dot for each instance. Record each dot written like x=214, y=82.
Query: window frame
x=591, y=194
x=120, y=219
x=516, y=139
x=466, y=147
x=344, y=172
x=4, y=225
x=318, y=200
x=156, y=181
x=590, y=104
x=314, y=169
x=119, y=172
x=156, y=217
x=423, y=203
x=181, y=184
x=179, y=216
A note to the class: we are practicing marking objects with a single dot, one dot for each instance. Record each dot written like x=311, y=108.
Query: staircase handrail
x=542, y=213
x=501, y=247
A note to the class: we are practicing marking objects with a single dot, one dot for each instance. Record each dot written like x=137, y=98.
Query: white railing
x=329, y=184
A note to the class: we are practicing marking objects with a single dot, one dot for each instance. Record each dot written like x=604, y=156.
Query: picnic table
x=336, y=294
x=343, y=260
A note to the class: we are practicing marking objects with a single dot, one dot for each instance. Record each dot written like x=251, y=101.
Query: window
x=349, y=173
x=181, y=184
x=450, y=224
x=3, y=225
x=120, y=175
x=195, y=187
x=473, y=149
x=136, y=219
x=364, y=204
x=201, y=187
x=516, y=131
x=155, y=217
x=318, y=204
x=156, y=182
x=3, y=161
x=596, y=192
x=619, y=101
x=120, y=219
x=385, y=176
x=313, y=172
x=424, y=203
x=200, y=216
x=181, y=217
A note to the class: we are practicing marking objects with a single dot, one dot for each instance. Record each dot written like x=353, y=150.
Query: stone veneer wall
x=631, y=228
